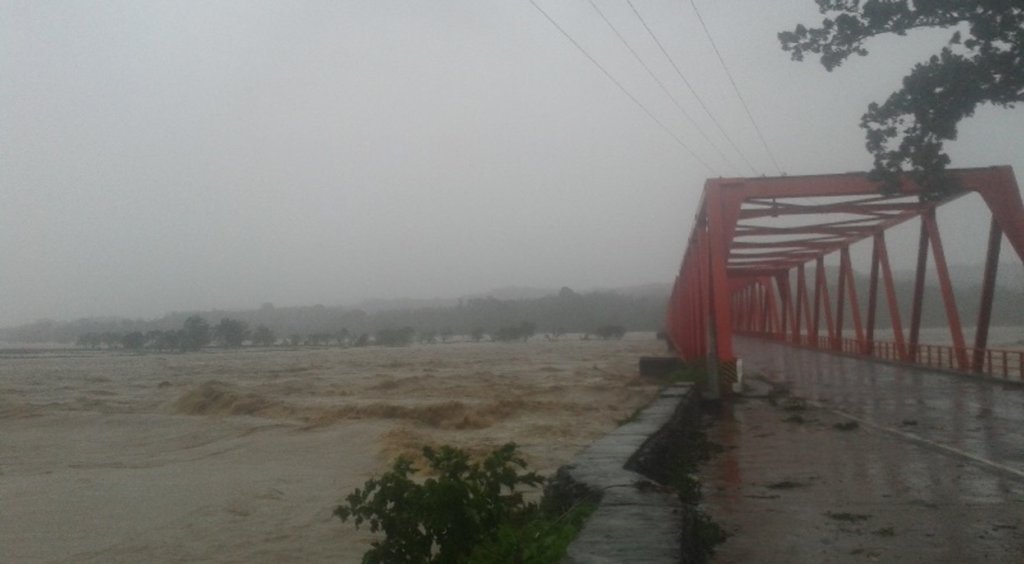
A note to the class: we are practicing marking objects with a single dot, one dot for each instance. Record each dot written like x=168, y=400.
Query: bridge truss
x=756, y=265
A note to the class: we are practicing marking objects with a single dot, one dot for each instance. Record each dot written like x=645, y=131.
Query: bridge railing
x=996, y=363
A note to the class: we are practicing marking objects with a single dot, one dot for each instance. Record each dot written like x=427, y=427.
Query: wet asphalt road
x=933, y=471
x=980, y=418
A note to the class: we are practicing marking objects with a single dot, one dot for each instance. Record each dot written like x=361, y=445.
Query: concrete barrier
x=638, y=519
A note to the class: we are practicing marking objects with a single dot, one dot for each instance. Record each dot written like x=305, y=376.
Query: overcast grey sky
x=159, y=156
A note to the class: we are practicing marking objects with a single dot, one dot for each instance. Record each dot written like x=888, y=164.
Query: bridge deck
x=933, y=471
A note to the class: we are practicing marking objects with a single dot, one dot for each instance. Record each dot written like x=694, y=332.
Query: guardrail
x=995, y=363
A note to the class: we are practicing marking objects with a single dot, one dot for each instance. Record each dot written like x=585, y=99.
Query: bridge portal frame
x=753, y=236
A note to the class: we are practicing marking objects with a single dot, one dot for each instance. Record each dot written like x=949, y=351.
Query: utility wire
x=736, y=88
x=624, y=91
x=661, y=84
x=690, y=86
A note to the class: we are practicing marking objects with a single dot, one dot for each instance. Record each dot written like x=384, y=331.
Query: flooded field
x=240, y=456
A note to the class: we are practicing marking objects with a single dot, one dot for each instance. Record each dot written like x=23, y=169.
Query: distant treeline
x=1007, y=309
x=196, y=333
x=600, y=314
x=565, y=311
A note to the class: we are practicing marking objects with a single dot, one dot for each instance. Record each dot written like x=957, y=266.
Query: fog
x=159, y=156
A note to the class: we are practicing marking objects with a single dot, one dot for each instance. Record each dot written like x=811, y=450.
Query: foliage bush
x=542, y=537
x=466, y=512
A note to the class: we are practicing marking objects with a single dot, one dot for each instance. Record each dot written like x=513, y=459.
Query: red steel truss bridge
x=755, y=265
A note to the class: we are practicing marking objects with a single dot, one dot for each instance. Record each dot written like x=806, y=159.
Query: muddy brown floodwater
x=240, y=456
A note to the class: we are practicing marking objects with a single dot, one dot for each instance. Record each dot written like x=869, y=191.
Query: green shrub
x=448, y=517
x=540, y=537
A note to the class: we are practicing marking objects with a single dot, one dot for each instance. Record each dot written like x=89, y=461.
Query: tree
x=167, y=340
x=110, y=339
x=230, y=332
x=527, y=330
x=195, y=334
x=318, y=339
x=134, y=340
x=521, y=332
x=427, y=337
x=263, y=336
x=982, y=63
x=395, y=337
x=91, y=340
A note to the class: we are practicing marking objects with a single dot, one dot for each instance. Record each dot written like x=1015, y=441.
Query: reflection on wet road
x=980, y=418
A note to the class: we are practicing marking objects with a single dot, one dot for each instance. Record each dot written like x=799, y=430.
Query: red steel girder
x=872, y=210
x=739, y=274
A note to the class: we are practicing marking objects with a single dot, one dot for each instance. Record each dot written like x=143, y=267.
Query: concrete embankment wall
x=637, y=519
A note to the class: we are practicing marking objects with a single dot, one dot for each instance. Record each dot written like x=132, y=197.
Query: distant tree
x=527, y=329
x=170, y=340
x=982, y=63
x=362, y=340
x=135, y=340
x=521, y=332
x=294, y=339
x=110, y=339
x=342, y=337
x=395, y=337
x=89, y=340
x=230, y=332
x=427, y=337
x=195, y=334
x=477, y=334
x=610, y=331
x=446, y=334
x=262, y=336
x=318, y=339
x=153, y=337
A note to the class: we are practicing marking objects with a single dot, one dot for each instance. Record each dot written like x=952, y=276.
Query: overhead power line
x=736, y=88
x=624, y=90
x=690, y=86
x=661, y=84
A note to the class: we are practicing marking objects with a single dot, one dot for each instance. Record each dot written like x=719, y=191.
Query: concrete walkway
x=866, y=463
